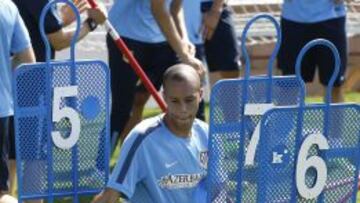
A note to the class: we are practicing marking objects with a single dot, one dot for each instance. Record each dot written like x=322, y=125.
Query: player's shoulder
x=8, y=5
x=6, y=2
x=149, y=125
x=201, y=128
x=199, y=124
x=144, y=129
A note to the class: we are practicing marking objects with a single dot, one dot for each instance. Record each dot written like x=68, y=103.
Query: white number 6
x=316, y=162
x=65, y=112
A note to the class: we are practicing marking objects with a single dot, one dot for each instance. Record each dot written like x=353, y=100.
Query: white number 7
x=252, y=110
x=65, y=112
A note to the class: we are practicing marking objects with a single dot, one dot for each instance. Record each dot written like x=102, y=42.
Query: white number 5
x=316, y=162
x=65, y=112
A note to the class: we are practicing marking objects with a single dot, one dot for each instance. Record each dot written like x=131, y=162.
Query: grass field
x=350, y=97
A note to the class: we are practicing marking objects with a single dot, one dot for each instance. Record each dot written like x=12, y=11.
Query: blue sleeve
x=131, y=166
x=53, y=22
x=20, y=39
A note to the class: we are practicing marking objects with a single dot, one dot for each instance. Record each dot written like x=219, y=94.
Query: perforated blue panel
x=301, y=153
x=44, y=169
x=284, y=131
x=231, y=131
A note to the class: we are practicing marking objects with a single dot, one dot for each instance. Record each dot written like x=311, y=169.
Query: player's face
x=183, y=100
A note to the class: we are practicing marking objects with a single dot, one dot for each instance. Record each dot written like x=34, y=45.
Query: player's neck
x=176, y=130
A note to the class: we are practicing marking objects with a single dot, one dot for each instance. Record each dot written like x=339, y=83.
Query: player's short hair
x=179, y=73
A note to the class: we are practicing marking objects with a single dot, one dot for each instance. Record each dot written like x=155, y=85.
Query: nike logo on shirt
x=168, y=165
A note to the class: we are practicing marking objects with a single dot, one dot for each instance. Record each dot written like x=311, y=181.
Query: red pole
x=133, y=62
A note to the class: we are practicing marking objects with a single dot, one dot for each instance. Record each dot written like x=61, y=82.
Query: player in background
x=219, y=34
x=57, y=23
x=319, y=19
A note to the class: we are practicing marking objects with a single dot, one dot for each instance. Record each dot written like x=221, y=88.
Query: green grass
x=350, y=97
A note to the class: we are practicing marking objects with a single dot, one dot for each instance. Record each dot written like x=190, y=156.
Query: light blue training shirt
x=312, y=11
x=157, y=166
x=134, y=19
x=14, y=38
x=193, y=20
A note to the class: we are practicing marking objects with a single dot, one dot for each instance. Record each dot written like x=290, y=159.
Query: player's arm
x=107, y=196
x=177, y=13
x=211, y=19
x=25, y=56
x=68, y=15
x=169, y=29
x=130, y=169
x=58, y=37
x=62, y=38
x=21, y=44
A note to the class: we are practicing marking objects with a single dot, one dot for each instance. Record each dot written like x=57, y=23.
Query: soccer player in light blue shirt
x=165, y=157
x=134, y=19
x=155, y=32
x=310, y=11
x=193, y=21
x=218, y=31
x=306, y=20
x=14, y=38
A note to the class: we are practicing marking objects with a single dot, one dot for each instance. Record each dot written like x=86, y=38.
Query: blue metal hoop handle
x=42, y=29
x=307, y=47
x=273, y=54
